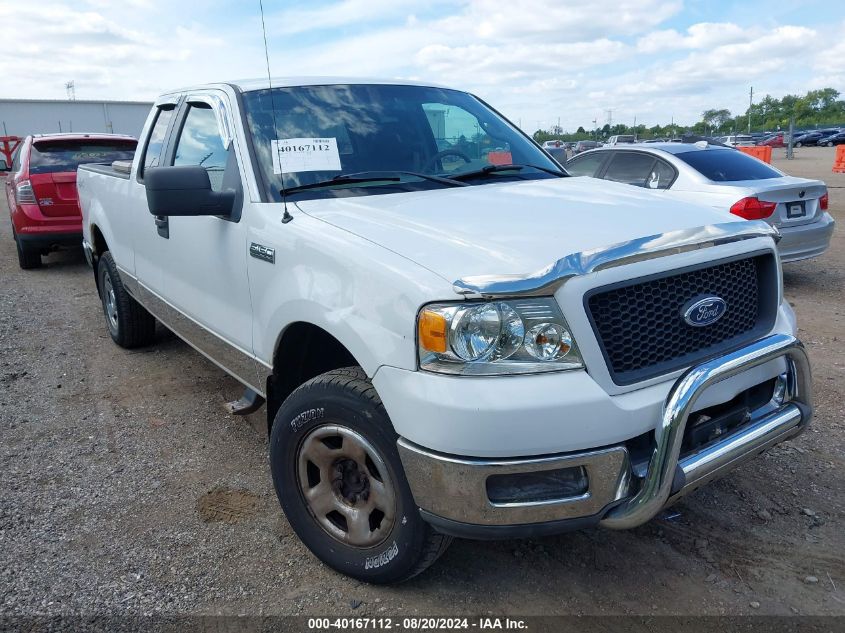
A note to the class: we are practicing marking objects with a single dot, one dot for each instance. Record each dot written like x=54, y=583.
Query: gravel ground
x=125, y=488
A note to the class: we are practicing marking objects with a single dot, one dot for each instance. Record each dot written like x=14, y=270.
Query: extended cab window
x=632, y=168
x=200, y=143
x=155, y=143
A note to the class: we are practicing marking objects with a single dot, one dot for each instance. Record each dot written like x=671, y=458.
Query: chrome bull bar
x=656, y=490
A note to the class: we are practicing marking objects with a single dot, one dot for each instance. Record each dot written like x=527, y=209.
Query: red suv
x=41, y=190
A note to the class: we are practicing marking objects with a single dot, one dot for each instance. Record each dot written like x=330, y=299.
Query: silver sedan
x=724, y=178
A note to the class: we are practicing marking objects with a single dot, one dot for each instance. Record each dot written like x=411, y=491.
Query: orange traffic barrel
x=761, y=152
x=839, y=161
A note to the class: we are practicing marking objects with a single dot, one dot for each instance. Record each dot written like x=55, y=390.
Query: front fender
x=364, y=295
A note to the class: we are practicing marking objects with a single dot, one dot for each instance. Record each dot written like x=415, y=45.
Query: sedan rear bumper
x=806, y=240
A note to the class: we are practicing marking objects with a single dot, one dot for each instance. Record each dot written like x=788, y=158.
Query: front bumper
x=452, y=492
x=806, y=240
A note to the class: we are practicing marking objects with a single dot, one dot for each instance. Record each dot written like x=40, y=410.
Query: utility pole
x=750, y=102
x=71, y=90
x=635, y=127
x=595, y=129
x=789, y=154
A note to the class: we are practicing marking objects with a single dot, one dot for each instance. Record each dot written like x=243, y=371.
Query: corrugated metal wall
x=19, y=117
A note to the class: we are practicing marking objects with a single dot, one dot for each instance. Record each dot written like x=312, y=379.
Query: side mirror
x=4, y=165
x=185, y=190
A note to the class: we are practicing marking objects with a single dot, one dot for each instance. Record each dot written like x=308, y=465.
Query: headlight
x=497, y=337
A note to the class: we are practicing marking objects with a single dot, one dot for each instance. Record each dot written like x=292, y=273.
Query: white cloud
x=699, y=36
x=533, y=59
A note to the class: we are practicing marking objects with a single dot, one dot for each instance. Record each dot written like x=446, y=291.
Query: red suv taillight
x=24, y=193
x=753, y=209
x=823, y=202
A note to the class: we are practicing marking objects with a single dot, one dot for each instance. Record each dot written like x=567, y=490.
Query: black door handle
x=163, y=226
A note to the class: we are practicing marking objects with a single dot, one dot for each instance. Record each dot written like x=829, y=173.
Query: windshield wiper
x=492, y=169
x=372, y=176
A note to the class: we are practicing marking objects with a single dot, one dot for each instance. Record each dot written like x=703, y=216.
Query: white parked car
x=737, y=140
x=621, y=139
x=723, y=179
x=445, y=346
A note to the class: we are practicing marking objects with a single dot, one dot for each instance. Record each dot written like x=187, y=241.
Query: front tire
x=341, y=484
x=28, y=258
x=798, y=144
x=829, y=144
x=128, y=322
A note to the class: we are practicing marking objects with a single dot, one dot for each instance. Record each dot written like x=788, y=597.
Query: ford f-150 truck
x=452, y=336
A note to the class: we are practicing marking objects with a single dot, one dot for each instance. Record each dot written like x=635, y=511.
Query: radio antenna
x=286, y=217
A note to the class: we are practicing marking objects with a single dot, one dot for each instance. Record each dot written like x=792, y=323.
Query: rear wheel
x=798, y=144
x=129, y=324
x=28, y=257
x=341, y=484
x=829, y=144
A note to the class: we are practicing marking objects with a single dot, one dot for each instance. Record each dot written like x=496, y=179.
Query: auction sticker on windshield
x=293, y=155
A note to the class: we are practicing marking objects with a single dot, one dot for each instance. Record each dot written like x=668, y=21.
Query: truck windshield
x=50, y=157
x=310, y=134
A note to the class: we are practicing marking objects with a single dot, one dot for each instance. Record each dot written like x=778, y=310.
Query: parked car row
x=819, y=137
x=370, y=286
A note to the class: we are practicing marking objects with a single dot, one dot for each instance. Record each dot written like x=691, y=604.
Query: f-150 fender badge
x=258, y=251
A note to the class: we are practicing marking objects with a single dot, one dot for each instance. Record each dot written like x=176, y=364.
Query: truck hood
x=508, y=228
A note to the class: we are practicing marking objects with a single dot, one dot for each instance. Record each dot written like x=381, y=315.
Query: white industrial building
x=19, y=117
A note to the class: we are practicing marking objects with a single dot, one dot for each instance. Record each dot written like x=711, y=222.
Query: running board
x=250, y=402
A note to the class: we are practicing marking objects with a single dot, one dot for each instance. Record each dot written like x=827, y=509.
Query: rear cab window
x=727, y=165
x=55, y=156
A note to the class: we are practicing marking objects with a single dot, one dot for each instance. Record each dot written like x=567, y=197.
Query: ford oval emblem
x=702, y=311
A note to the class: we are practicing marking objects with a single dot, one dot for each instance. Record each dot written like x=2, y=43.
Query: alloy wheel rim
x=346, y=486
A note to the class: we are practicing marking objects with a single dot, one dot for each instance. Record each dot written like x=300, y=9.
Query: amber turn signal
x=433, y=331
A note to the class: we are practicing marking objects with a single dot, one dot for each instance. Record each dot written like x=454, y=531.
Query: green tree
x=715, y=119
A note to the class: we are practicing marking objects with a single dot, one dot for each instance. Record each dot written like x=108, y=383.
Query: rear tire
x=28, y=258
x=339, y=479
x=128, y=322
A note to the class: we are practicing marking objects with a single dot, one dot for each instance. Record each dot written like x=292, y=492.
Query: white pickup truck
x=452, y=336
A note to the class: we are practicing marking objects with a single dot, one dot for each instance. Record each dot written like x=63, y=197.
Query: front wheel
x=798, y=145
x=829, y=144
x=341, y=484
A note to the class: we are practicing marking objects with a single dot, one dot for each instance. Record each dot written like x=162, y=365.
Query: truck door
x=136, y=222
x=204, y=293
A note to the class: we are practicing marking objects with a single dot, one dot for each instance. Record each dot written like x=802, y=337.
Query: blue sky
x=535, y=60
